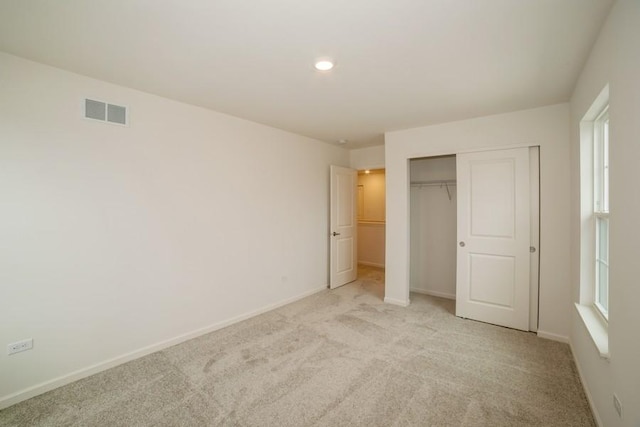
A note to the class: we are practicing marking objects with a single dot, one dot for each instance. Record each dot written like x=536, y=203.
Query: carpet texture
x=337, y=358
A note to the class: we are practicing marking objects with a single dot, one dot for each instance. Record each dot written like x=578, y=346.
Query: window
x=601, y=210
x=593, y=303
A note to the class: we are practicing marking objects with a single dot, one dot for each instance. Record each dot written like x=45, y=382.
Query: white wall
x=433, y=228
x=367, y=158
x=615, y=59
x=371, y=244
x=547, y=127
x=433, y=169
x=372, y=187
x=115, y=241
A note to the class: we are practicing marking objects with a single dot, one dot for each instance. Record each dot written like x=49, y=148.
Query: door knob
x=462, y=244
x=335, y=234
x=532, y=249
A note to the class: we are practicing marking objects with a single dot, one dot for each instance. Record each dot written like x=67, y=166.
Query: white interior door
x=493, y=237
x=343, y=233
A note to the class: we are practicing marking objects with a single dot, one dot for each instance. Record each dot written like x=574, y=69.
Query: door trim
x=534, y=262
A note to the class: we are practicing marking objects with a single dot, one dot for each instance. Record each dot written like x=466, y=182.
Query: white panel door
x=492, y=282
x=343, y=258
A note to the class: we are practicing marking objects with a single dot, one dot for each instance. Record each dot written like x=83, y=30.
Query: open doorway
x=371, y=218
x=357, y=228
x=371, y=229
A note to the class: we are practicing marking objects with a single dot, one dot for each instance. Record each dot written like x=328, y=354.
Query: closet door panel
x=493, y=237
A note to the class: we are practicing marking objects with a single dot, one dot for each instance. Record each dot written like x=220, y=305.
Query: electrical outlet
x=618, y=405
x=19, y=346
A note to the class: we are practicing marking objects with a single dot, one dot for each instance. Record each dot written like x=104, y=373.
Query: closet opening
x=475, y=233
x=433, y=223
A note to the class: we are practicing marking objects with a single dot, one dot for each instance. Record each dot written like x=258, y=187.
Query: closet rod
x=439, y=183
x=435, y=182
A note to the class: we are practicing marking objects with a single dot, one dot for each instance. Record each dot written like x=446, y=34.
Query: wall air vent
x=98, y=110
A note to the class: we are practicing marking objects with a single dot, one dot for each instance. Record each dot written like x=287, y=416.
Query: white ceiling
x=399, y=63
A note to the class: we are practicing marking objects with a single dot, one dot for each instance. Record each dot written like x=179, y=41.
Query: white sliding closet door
x=493, y=237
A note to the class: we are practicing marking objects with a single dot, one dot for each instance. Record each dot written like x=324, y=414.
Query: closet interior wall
x=433, y=226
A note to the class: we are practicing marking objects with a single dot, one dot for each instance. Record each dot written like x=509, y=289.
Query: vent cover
x=98, y=110
x=95, y=110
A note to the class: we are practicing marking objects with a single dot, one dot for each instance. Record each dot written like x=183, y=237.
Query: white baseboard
x=587, y=393
x=553, y=337
x=371, y=264
x=402, y=303
x=60, y=381
x=434, y=293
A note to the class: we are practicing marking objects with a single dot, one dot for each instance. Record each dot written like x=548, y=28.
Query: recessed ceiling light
x=324, y=64
x=343, y=141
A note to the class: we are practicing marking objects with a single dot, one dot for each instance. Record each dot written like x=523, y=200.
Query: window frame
x=600, y=172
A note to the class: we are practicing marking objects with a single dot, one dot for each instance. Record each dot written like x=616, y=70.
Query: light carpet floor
x=337, y=358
